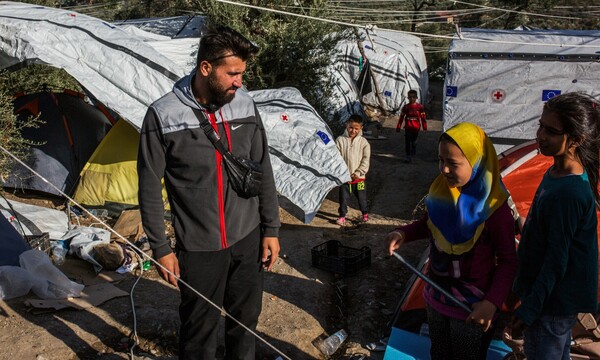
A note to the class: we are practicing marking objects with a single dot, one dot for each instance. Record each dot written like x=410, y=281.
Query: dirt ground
x=300, y=304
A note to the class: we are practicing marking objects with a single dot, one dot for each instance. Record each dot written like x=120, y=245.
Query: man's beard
x=218, y=95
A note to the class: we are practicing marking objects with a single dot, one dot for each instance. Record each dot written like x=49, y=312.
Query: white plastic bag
x=14, y=282
x=56, y=285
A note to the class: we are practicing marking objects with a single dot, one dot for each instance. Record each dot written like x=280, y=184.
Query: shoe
x=407, y=160
x=341, y=221
x=365, y=218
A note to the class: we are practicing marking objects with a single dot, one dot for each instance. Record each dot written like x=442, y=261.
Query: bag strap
x=210, y=132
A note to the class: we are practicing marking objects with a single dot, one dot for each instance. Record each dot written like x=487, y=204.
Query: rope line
x=518, y=12
x=371, y=27
x=145, y=255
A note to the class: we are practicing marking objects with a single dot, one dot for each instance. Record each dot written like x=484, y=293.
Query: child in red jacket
x=413, y=117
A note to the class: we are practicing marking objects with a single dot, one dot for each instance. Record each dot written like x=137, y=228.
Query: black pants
x=359, y=190
x=453, y=339
x=230, y=278
x=410, y=142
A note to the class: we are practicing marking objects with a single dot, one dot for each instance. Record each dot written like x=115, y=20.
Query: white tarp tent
x=123, y=72
x=174, y=27
x=127, y=74
x=500, y=79
x=293, y=124
x=397, y=61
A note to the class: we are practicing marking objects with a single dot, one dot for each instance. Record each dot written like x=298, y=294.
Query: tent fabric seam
x=153, y=65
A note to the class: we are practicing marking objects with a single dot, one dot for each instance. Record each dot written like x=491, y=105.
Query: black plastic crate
x=335, y=257
x=40, y=242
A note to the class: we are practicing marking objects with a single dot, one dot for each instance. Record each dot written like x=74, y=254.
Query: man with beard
x=223, y=240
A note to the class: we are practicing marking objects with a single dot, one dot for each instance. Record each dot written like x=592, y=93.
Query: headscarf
x=457, y=215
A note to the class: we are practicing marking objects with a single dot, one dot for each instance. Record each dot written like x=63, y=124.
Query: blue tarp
x=405, y=345
x=12, y=244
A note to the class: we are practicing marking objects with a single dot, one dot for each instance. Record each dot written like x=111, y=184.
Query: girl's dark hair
x=579, y=114
x=220, y=42
x=448, y=139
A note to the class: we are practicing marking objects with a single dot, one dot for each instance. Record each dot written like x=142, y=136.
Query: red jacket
x=413, y=115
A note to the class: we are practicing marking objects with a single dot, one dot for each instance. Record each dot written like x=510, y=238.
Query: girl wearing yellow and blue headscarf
x=472, y=253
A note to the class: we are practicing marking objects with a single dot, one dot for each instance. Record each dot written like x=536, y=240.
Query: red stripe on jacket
x=220, y=190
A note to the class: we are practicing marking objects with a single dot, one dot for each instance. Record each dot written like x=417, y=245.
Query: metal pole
x=374, y=80
x=430, y=282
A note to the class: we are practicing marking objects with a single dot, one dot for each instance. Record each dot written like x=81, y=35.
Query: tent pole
x=375, y=85
x=430, y=282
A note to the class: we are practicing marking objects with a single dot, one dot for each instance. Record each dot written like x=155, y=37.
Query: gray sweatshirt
x=207, y=214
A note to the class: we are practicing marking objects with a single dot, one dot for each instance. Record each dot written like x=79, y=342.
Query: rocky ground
x=300, y=304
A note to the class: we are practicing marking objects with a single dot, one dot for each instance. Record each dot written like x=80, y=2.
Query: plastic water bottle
x=59, y=251
x=332, y=343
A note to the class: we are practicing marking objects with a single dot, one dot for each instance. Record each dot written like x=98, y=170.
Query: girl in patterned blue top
x=558, y=253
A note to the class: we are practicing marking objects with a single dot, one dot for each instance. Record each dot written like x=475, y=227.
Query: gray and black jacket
x=207, y=214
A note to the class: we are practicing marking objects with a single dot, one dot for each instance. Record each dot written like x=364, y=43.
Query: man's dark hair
x=220, y=42
x=355, y=118
x=412, y=92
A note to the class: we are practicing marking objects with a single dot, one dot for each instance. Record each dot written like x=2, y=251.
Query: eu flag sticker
x=451, y=91
x=323, y=137
x=549, y=94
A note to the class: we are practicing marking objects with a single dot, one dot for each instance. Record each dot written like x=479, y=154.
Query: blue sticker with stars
x=451, y=91
x=323, y=137
x=549, y=94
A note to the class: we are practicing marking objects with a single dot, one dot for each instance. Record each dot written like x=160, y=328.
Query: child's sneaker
x=365, y=218
x=341, y=221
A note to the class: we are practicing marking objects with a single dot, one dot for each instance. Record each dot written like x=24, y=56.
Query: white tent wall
x=121, y=71
x=302, y=149
x=174, y=27
x=397, y=61
x=502, y=82
x=127, y=74
x=181, y=50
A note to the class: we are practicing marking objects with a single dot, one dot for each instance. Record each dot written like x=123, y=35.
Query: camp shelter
x=120, y=70
x=500, y=79
x=305, y=159
x=173, y=27
x=397, y=62
x=69, y=131
x=126, y=73
x=109, y=178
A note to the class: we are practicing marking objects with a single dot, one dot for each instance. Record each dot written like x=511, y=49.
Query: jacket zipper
x=220, y=191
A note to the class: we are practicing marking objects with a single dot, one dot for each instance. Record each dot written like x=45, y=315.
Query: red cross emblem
x=498, y=95
x=285, y=117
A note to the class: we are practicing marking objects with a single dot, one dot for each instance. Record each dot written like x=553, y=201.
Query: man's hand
x=171, y=263
x=482, y=314
x=394, y=240
x=353, y=177
x=270, y=252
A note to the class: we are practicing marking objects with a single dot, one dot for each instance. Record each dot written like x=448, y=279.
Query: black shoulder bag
x=245, y=175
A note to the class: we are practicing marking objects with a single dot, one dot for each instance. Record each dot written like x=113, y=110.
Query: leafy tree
x=31, y=79
x=294, y=51
x=416, y=6
x=35, y=78
x=10, y=129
